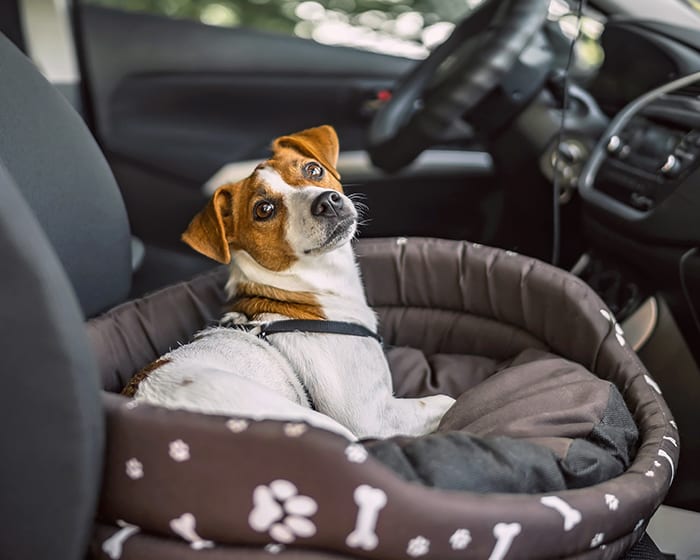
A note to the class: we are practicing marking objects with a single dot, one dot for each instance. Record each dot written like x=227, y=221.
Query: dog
x=286, y=233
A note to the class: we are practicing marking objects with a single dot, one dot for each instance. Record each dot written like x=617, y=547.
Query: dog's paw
x=233, y=318
x=435, y=407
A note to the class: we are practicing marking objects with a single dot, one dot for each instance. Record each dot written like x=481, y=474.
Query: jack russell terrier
x=298, y=342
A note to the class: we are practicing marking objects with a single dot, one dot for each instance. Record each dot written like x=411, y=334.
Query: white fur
x=231, y=372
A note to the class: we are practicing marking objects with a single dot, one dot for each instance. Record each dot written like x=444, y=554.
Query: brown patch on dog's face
x=246, y=215
x=253, y=215
x=298, y=170
x=132, y=386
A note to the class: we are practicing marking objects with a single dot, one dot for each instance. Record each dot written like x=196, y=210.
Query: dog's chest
x=340, y=372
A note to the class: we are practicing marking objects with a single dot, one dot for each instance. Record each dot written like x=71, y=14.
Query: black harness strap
x=316, y=326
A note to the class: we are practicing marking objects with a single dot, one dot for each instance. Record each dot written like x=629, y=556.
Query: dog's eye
x=313, y=171
x=263, y=210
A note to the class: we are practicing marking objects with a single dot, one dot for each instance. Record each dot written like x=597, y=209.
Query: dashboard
x=643, y=177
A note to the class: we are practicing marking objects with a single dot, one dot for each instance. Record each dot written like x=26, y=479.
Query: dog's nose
x=328, y=204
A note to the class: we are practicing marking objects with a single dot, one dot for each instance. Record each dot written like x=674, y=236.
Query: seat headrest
x=56, y=164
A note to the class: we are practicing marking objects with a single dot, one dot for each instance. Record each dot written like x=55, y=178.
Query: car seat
x=174, y=483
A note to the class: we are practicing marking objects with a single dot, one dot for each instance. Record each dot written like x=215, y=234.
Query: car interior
x=566, y=131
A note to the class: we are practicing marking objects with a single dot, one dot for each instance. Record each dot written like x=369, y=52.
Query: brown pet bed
x=539, y=458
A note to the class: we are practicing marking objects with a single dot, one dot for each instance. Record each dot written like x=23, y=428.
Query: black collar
x=308, y=326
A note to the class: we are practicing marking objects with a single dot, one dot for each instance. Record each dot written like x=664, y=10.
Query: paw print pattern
x=237, y=425
x=619, y=333
x=418, y=546
x=179, y=451
x=612, y=502
x=282, y=512
x=134, y=469
x=274, y=548
x=460, y=539
x=295, y=429
x=356, y=453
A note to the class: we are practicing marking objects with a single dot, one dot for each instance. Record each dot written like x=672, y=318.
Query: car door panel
x=173, y=101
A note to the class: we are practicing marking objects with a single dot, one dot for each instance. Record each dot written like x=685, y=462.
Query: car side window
x=409, y=28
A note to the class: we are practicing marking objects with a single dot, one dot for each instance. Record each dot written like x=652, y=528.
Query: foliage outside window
x=407, y=28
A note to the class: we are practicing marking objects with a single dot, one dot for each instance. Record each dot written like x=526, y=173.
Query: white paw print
x=673, y=423
x=619, y=333
x=295, y=429
x=131, y=405
x=279, y=510
x=134, y=468
x=657, y=464
x=649, y=474
x=274, y=548
x=511, y=253
x=237, y=425
x=179, y=451
x=418, y=546
x=612, y=501
x=460, y=539
x=356, y=453
x=597, y=539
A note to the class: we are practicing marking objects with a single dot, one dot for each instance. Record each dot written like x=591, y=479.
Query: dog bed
x=559, y=446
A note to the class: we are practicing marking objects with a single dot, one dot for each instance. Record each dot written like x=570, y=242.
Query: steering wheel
x=420, y=111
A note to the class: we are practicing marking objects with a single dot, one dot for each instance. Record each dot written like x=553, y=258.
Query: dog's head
x=292, y=206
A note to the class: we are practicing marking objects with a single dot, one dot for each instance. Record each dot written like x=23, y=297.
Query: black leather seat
x=65, y=255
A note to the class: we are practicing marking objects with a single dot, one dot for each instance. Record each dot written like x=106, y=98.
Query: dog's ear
x=210, y=230
x=320, y=143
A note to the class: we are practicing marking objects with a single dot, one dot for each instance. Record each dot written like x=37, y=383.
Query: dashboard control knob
x=672, y=166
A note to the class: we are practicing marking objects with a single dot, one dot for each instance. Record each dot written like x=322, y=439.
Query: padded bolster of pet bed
x=241, y=482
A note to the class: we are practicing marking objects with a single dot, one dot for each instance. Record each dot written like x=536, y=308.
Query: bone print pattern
x=370, y=502
x=113, y=547
x=184, y=526
x=572, y=517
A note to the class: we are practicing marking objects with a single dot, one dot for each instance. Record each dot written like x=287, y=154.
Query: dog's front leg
x=414, y=417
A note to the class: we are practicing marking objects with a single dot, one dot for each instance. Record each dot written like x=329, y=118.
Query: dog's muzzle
x=329, y=204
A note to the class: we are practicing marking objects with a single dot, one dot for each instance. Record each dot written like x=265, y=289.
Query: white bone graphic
x=505, y=533
x=114, y=545
x=673, y=441
x=666, y=456
x=370, y=501
x=653, y=384
x=572, y=517
x=184, y=526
